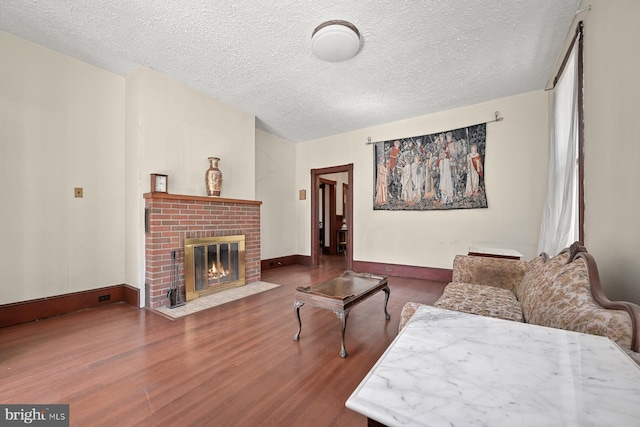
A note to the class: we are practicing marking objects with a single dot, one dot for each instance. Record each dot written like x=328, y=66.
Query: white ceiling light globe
x=335, y=41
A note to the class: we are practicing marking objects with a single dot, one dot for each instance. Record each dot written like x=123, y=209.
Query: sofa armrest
x=600, y=297
x=566, y=293
x=498, y=272
x=408, y=310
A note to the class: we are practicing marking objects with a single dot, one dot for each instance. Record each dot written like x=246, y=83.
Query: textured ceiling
x=417, y=57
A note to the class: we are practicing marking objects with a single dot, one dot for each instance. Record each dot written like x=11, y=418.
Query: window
x=563, y=214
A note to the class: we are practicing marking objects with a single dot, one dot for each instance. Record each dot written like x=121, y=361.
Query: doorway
x=318, y=224
x=327, y=224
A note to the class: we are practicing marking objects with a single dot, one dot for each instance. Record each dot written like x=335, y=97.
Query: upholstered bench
x=562, y=292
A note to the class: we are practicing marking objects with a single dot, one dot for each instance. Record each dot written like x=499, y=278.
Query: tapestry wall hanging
x=432, y=172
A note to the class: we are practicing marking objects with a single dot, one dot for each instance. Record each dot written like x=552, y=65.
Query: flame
x=217, y=271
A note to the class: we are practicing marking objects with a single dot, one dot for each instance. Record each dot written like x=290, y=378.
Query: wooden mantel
x=156, y=195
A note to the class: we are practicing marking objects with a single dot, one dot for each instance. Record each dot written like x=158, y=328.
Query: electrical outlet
x=78, y=192
x=104, y=297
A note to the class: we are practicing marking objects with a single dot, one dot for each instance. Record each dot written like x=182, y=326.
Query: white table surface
x=447, y=368
x=495, y=251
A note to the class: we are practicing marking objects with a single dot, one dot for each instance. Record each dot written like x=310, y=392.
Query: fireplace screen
x=213, y=264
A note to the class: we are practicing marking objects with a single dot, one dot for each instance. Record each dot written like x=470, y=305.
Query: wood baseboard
x=408, y=271
x=28, y=311
x=268, y=264
x=397, y=270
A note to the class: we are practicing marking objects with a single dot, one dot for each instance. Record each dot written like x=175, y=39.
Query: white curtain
x=560, y=227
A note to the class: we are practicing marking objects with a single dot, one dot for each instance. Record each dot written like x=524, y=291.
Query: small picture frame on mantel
x=159, y=183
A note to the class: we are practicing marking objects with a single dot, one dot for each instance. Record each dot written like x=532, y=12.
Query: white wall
x=515, y=164
x=612, y=144
x=180, y=127
x=61, y=126
x=66, y=124
x=173, y=129
x=135, y=185
x=276, y=188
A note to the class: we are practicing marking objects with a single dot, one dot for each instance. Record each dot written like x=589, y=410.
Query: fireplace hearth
x=213, y=264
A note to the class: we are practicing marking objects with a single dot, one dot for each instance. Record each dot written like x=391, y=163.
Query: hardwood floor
x=232, y=365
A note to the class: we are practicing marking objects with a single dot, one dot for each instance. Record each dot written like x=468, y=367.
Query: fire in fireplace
x=217, y=271
x=213, y=264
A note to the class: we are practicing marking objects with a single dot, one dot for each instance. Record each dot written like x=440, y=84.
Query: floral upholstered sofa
x=561, y=292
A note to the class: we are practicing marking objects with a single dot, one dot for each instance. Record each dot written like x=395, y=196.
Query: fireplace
x=213, y=264
x=173, y=219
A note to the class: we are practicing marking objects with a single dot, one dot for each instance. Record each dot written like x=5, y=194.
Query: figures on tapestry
x=382, y=182
x=474, y=166
x=432, y=172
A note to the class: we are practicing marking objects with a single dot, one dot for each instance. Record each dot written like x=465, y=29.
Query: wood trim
x=579, y=251
x=131, y=295
x=315, y=218
x=493, y=255
x=199, y=198
x=333, y=244
x=350, y=209
x=396, y=270
x=580, y=132
x=407, y=271
x=331, y=185
x=268, y=264
x=345, y=192
x=315, y=182
x=28, y=311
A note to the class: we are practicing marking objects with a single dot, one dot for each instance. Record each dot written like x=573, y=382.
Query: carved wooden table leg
x=296, y=310
x=342, y=315
x=387, y=291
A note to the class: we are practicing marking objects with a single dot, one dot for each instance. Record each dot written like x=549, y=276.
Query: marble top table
x=495, y=252
x=447, y=368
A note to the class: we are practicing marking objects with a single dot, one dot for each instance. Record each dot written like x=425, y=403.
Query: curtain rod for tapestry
x=578, y=33
x=497, y=118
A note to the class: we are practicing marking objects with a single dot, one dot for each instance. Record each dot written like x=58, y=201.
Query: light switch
x=78, y=192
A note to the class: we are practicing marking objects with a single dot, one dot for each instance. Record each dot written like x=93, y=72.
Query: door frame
x=315, y=190
x=328, y=223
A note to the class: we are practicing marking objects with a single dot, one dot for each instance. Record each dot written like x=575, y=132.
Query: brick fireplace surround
x=172, y=218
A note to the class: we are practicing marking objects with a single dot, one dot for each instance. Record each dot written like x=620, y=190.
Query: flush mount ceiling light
x=335, y=41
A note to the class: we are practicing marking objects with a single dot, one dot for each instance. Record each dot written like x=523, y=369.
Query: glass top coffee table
x=340, y=295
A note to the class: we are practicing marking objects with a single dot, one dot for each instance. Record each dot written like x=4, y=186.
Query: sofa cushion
x=539, y=276
x=567, y=303
x=479, y=299
x=498, y=272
